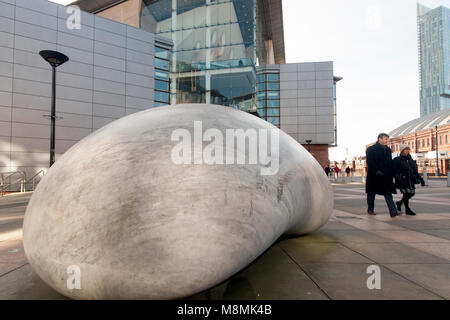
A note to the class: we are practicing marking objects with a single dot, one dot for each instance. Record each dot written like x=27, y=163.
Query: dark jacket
x=405, y=173
x=379, y=170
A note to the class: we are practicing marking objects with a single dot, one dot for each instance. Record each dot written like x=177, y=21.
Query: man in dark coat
x=347, y=171
x=406, y=177
x=380, y=175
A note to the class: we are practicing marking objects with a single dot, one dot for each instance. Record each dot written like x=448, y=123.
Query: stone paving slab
x=336, y=225
x=423, y=225
x=273, y=276
x=441, y=233
x=302, y=252
x=348, y=281
x=11, y=255
x=24, y=284
x=359, y=236
x=434, y=277
x=10, y=225
x=393, y=253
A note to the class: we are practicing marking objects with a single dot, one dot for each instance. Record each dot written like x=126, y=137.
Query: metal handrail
x=7, y=175
x=33, y=179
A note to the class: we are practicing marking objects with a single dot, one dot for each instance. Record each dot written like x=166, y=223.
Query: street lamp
x=309, y=145
x=437, y=154
x=55, y=59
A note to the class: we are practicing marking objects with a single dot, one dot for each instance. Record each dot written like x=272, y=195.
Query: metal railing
x=33, y=179
x=6, y=183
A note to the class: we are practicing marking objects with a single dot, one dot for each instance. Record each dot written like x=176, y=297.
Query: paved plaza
x=412, y=253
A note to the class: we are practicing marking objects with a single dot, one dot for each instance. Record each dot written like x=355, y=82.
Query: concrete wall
x=306, y=101
x=109, y=75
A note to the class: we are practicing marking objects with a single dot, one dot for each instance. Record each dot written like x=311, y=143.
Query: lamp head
x=53, y=57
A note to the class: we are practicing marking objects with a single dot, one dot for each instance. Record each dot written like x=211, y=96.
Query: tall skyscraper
x=434, y=58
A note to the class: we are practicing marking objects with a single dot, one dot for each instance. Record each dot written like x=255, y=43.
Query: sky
x=63, y=2
x=374, y=48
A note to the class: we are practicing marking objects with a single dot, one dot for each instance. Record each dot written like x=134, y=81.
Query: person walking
x=379, y=175
x=337, y=170
x=347, y=171
x=327, y=171
x=406, y=177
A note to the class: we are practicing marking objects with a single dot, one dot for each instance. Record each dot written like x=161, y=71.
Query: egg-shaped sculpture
x=170, y=201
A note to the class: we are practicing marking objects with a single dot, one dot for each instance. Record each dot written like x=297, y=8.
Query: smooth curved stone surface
x=139, y=226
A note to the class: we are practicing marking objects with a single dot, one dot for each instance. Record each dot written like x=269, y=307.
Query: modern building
x=111, y=73
x=231, y=52
x=433, y=27
x=227, y=52
x=428, y=138
x=300, y=98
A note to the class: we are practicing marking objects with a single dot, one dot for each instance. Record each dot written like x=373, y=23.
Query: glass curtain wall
x=434, y=58
x=162, y=76
x=214, y=53
x=334, y=114
x=268, y=97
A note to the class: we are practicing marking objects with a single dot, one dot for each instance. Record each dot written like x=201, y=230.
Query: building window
x=273, y=94
x=428, y=142
x=273, y=86
x=161, y=75
x=440, y=140
x=273, y=112
x=273, y=77
x=162, y=83
x=418, y=143
x=273, y=103
x=214, y=49
x=274, y=120
x=161, y=96
x=268, y=97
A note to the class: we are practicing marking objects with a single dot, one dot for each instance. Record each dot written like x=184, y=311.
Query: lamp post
x=437, y=153
x=55, y=59
x=309, y=145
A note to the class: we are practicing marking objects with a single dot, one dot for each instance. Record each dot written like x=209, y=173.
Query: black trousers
x=405, y=199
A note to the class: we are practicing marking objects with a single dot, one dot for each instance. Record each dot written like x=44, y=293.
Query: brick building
x=428, y=138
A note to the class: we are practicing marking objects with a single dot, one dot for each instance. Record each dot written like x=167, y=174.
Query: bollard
x=351, y=176
x=425, y=176
x=448, y=179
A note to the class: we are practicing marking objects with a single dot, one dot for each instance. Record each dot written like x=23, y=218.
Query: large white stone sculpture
x=120, y=216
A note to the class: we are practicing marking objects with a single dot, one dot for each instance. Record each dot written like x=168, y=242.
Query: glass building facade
x=268, y=96
x=162, y=75
x=434, y=58
x=213, y=57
